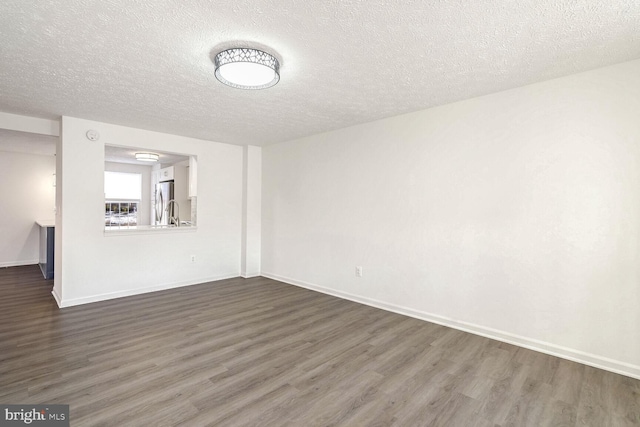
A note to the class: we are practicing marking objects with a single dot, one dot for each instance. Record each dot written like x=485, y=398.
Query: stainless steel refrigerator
x=162, y=195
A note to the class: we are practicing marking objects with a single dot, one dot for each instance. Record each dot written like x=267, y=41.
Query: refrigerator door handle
x=159, y=205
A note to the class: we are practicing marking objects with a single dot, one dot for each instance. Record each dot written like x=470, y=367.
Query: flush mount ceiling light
x=147, y=157
x=244, y=68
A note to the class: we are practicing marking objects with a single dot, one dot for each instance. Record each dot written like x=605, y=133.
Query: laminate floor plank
x=257, y=352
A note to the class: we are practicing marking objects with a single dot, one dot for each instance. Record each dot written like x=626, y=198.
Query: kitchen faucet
x=175, y=219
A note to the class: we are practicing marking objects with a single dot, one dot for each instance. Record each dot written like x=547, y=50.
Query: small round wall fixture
x=93, y=135
x=245, y=68
x=147, y=157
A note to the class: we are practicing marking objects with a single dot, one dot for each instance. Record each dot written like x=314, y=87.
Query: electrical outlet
x=193, y=258
x=359, y=271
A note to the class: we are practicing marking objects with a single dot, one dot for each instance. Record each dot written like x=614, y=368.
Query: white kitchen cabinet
x=193, y=176
x=155, y=179
x=180, y=191
x=167, y=174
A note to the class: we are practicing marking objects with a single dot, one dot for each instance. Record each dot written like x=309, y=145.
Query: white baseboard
x=596, y=361
x=18, y=263
x=249, y=275
x=57, y=298
x=62, y=303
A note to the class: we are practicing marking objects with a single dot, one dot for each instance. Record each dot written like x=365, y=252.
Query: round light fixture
x=245, y=68
x=147, y=157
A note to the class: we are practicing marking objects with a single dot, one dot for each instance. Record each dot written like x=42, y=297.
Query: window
x=122, y=193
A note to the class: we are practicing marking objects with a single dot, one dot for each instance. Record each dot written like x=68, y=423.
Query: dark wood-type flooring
x=262, y=353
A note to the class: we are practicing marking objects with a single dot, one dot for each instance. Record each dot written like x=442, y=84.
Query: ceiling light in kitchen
x=147, y=157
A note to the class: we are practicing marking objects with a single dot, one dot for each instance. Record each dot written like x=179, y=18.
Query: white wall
x=144, y=207
x=93, y=266
x=29, y=124
x=514, y=215
x=181, y=189
x=251, y=211
x=26, y=195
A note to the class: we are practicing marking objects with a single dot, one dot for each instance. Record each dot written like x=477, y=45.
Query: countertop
x=147, y=229
x=46, y=223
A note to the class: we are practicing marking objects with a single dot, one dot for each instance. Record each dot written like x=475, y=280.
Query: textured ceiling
x=147, y=64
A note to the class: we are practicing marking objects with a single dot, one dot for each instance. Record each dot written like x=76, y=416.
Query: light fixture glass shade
x=244, y=68
x=147, y=157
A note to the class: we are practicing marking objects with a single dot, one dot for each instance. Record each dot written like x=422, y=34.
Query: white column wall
x=94, y=266
x=252, y=211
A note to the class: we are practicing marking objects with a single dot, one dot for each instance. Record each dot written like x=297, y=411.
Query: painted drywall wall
x=144, y=207
x=514, y=215
x=181, y=189
x=95, y=266
x=29, y=124
x=251, y=211
x=27, y=194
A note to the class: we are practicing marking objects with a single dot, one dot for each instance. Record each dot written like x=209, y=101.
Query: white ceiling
x=147, y=63
x=128, y=155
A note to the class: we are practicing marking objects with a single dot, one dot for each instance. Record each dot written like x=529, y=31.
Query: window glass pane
x=118, y=214
x=124, y=186
x=132, y=214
